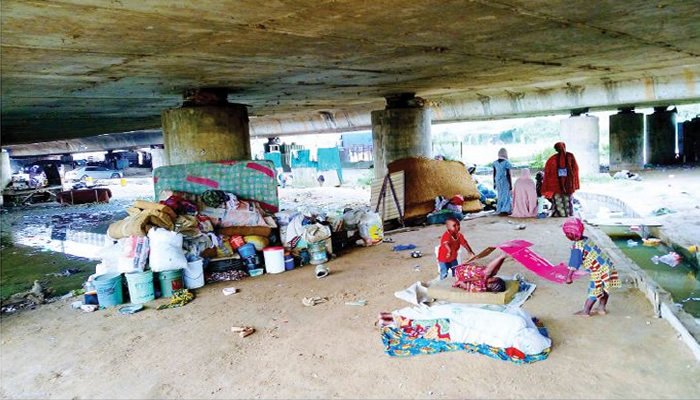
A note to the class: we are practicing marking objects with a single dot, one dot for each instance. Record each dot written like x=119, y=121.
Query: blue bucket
x=141, y=287
x=288, y=263
x=170, y=281
x=247, y=250
x=109, y=290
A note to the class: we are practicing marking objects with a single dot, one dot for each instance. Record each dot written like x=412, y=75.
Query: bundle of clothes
x=184, y=227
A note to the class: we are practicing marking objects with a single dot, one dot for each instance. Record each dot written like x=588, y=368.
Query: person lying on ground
x=450, y=243
x=584, y=252
x=476, y=278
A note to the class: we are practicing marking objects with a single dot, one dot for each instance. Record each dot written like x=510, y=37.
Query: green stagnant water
x=680, y=281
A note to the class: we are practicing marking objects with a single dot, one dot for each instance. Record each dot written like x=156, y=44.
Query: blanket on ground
x=400, y=344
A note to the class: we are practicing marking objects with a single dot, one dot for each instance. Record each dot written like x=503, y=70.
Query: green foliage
x=538, y=159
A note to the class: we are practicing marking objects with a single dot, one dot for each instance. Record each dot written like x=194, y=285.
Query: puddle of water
x=680, y=281
x=76, y=234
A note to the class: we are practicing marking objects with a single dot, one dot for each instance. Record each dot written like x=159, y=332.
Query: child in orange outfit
x=449, y=247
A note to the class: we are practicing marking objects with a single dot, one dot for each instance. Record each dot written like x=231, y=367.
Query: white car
x=82, y=173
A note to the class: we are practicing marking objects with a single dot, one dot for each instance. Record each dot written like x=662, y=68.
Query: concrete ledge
x=661, y=301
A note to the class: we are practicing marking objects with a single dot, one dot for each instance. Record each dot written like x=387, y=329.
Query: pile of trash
x=169, y=248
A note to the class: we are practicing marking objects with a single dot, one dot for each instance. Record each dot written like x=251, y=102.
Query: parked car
x=82, y=173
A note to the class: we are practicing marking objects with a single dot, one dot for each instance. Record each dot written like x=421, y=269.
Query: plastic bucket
x=193, y=276
x=318, y=252
x=247, y=250
x=288, y=263
x=109, y=290
x=141, y=287
x=170, y=281
x=274, y=259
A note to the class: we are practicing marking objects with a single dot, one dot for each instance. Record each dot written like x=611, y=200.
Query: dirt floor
x=332, y=350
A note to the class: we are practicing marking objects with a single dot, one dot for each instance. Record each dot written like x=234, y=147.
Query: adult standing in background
x=561, y=181
x=503, y=183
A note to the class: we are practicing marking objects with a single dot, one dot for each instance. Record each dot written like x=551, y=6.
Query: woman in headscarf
x=502, y=182
x=524, y=196
x=561, y=180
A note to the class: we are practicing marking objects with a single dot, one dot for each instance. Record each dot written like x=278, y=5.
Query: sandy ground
x=332, y=350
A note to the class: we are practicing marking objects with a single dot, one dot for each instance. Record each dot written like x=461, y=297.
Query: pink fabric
x=573, y=228
x=524, y=196
x=519, y=250
x=202, y=181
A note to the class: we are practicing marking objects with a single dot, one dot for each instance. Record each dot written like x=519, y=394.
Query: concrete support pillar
x=626, y=140
x=206, y=128
x=582, y=137
x=157, y=157
x=661, y=136
x=5, y=172
x=399, y=131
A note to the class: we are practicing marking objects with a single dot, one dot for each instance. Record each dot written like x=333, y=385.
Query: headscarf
x=573, y=229
x=502, y=154
x=560, y=147
x=525, y=173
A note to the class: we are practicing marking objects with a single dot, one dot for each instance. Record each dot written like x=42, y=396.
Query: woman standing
x=561, y=180
x=502, y=182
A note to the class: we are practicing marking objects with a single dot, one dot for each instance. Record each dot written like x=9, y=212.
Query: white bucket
x=274, y=259
x=193, y=275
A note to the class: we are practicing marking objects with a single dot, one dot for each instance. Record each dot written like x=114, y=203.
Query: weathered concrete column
x=626, y=140
x=5, y=172
x=157, y=157
x=582, y=137
x=206, y=128
x=661, y=136
x=401, y=130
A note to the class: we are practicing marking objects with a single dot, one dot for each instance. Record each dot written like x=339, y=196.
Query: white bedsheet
x=498, y=327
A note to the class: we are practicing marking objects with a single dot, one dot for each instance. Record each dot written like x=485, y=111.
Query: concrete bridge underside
x=76, y=68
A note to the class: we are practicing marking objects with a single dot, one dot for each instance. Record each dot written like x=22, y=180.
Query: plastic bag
x=316, y=233
x=671, y=259
x=134, y=254
x=371, y=228
x=166, y=250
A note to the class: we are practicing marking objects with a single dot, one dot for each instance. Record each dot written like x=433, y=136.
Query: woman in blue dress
x=502, y=183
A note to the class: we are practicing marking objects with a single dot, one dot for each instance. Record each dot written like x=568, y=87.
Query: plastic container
x=236, y=241
x=318, y=252
x=109, y=290
x=274, y=259
x=90, y=298
x=288, y=262
x=247, y=250
x=141, y=288
x=255, y=272
x=322, y=271
x=170, y=281
x=193, y=276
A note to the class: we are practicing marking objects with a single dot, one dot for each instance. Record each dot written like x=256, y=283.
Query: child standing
x=586, y=253
x=449, y=247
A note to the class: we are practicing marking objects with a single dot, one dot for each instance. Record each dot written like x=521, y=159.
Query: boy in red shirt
x=449, y=247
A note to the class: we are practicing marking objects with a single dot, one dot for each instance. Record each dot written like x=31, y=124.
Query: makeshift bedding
x=400, y=344
x=503, y=333
x=251, y=180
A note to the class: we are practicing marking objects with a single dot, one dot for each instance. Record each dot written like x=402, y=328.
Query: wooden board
x=387, y=208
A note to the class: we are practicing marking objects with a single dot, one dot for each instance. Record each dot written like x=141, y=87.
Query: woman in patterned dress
x=586, y=253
